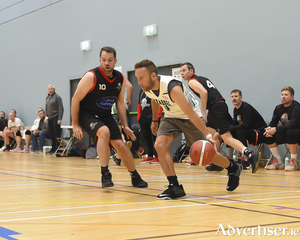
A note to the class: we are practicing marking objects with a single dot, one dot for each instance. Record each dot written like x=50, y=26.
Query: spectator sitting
x=248, y=125
x=38, y=130
x=13, y=129
x=2, y=117
x=288, y=113
x=2, y=127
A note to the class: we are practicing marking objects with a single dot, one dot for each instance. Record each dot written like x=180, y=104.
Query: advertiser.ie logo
x=5, y=233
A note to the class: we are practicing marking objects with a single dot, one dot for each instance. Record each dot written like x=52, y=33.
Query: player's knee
x=103, y=132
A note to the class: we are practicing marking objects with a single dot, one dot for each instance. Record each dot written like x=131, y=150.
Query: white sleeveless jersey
x=172, y=109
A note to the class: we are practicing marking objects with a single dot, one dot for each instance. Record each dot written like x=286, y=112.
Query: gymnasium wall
x=248, y=44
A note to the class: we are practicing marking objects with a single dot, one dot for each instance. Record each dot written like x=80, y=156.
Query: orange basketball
x=202, y=152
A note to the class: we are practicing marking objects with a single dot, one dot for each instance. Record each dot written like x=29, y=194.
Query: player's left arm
x=194, y=84
x=178, y=96
x=121, y=108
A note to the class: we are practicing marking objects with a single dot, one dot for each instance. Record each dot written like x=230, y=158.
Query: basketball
x=202, y=152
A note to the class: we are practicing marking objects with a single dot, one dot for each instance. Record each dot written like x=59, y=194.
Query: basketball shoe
x=292, y=166
x=213, y=168
x=191, y=163
x=137, y=181
x=117, y=160
x=154, y=160
x=16, y=150
x=254, y=159
x=147, y=159
x=275, y=165
x=106, y=180
x=172, y=192
x=234, y=178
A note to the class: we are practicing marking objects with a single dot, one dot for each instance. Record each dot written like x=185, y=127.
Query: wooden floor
x=44, y=197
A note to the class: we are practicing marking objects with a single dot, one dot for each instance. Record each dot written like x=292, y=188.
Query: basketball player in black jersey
x=218, y=118
x=96, y=92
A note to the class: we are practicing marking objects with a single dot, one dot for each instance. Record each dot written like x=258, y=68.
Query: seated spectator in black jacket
x=248, y=125
x=288, y=113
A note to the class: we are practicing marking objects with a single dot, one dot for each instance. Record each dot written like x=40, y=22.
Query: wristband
x=208, y=136
x=154, y=120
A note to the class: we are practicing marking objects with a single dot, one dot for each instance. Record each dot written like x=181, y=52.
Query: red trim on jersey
x=95, y=81
x=106, y=77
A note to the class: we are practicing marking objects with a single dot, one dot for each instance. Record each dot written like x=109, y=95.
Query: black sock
x=232, y=166
x=173, y=180
x=134, y=174
x=104, y=169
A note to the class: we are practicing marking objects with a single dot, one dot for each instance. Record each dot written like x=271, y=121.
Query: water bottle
x=286, y=161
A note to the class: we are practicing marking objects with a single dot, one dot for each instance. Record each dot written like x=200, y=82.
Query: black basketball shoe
x=254, y=160
x=137, y=181
x=234, y=178
x=172, y=192
x=106, y=180
x=117, y=160
x=213, y=167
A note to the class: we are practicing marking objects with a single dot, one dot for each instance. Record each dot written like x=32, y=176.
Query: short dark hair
x=109, y=50
x=237, y=90
x=149, y=65
x=290, y=89
x=40, y=109
x=189, y=66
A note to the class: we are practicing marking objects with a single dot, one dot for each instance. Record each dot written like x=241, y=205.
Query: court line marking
x=147, y=202
x=119, y=211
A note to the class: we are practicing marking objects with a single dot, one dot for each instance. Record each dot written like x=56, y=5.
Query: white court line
x=149, y=202
x=115, y=211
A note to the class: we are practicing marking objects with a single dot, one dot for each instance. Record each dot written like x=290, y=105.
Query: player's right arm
x=84, y=86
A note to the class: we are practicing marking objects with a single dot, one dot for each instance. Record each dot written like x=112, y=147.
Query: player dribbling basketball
x=182, y=114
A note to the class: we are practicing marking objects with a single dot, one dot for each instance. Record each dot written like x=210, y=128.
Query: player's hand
x=129, y=133
x=128, y=102
x=213, y=142
x=77, y=131
x=154, y=128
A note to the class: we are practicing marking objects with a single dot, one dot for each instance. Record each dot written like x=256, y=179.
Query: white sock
x=275, y=152
x=294, y=156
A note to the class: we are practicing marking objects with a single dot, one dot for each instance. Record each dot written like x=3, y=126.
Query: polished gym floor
x=45, y=197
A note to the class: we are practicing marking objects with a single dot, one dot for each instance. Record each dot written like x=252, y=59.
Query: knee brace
x=27, y=132
x=18, y=133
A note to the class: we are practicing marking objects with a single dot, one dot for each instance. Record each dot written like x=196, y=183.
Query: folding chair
x=65, y=144
x=260, y=148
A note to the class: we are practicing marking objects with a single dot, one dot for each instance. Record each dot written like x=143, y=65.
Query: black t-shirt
x=2, y=125
x=213, y=95
x=288, y=116
x=104, y=93
x=247, y=117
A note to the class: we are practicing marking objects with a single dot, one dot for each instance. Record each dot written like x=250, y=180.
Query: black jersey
x=104, y=93
x=213, y=95
x=247, y=117
x=288, y=116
